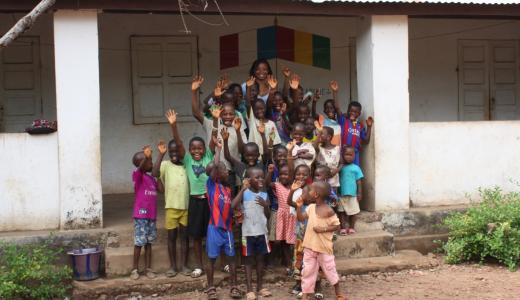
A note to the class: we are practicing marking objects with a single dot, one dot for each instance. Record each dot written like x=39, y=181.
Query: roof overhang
x=433, y=8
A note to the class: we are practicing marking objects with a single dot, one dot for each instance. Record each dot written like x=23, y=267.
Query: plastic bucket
x=85, y=263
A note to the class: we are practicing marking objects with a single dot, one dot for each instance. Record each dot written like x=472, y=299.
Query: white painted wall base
x=29, y=182
x=382, y=62
x=77, y=103
x=449, y=161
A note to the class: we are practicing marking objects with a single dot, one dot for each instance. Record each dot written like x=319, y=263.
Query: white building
x=440, y=77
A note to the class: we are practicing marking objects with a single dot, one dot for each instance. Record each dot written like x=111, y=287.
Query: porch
x=406, y=71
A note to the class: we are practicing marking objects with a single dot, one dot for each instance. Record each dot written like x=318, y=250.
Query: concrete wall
x=433, y=62
x=450, y=161
x=29, y=182
x=120, y=138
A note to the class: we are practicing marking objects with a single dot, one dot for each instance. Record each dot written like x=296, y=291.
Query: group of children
x=270, y=170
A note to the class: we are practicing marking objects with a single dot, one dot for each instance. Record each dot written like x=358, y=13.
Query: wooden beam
x=26, y=22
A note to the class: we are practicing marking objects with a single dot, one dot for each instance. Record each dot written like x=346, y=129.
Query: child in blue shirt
x=351, y=191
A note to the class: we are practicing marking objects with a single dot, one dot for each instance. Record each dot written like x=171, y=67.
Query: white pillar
x=382, y=70
x=77, y=105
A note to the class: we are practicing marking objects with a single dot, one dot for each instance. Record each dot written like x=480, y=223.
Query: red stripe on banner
x=285, y=43
x=229, y=51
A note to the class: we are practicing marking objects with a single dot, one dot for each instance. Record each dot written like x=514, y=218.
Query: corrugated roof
x=474, y=2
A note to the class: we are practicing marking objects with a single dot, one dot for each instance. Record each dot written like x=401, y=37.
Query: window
x=162, y=70
x=20, y=90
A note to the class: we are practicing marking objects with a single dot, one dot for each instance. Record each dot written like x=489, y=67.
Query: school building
x=440, y=77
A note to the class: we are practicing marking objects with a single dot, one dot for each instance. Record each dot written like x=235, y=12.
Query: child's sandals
x=196, y=273
x=212, y=293
x=341, y=297
x=171, y=273
x=251, y=296
x=265, y=292
x=343, y=232
x=351, y=231
x=150, y=273
x=235, y=293
x=134, y=275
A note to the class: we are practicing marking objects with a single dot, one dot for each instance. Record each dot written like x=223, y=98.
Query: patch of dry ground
x=470, y=281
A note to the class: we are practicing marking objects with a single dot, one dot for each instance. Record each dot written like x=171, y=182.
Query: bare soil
x=468, y=281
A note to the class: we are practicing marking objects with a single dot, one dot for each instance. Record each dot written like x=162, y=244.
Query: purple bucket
x=85, y=263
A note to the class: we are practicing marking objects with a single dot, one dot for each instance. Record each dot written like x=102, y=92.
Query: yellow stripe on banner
x=303, y=47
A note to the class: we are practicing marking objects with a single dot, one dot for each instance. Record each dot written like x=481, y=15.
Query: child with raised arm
x=285, y=221
x=329, y=155
x=223, y=116
x=331, y=111
x=220, y=234
x=255, y=244
x=302, y=152
x=145, y=210
x=353, y=131
x=318, y=248
x=176, y=195
x=302, y=175
x=350, y=190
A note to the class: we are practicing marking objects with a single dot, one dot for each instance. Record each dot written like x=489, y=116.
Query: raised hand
x=286, y=72
x=161, y=146
x=237, y=123
x=217, y=142
x=296, y=185
x=224, y=133
x=318, y=126
x=219, y=89
x=196, y=82
x=147, y=150
x=290, y=146
x=250, y=81
x=299, y=202
x=171, y=115
x=273, y=83
x=294, y=82
x=225, y=81
x=370, y=121
x=283, y=109
x=334, y=86
x=261, y=127
x=215, y=111
x=245, y=184
x=270, y=168
x=260, y=201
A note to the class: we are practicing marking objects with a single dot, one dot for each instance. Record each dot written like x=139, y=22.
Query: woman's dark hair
x=197, y=139
x=329, y=101
x=255, y=65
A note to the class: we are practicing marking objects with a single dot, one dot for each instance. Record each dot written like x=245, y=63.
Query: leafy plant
x=33, y=272
x=488, y=230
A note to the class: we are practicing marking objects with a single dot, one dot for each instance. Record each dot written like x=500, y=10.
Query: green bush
x=488, y=230
x=33, y=272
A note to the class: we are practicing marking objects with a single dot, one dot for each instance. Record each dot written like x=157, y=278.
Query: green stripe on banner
x=321, y=52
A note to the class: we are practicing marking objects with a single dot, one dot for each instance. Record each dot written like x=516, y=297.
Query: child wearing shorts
x=350, y=190
x=145, y=210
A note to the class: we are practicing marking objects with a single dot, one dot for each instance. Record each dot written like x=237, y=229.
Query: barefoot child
x=317, y=243
x=255, y=244
x=145, y=210
x=173, y=176
x=350, y=191
x=220, y=234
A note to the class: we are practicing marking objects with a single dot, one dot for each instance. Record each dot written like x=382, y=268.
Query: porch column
x=77, y=106
x=382, y=70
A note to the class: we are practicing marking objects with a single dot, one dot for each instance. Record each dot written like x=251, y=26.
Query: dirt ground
x=443, y=282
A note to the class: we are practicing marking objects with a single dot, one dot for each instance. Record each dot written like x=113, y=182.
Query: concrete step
x=163, y=286
x=364, y=244
x=423, y=243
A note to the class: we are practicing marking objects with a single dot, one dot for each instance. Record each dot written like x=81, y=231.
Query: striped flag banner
x=274, y=42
